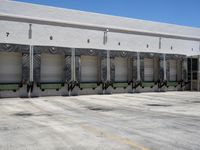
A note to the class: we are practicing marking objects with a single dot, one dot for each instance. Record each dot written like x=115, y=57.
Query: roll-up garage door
x=121, y=69
x=10, y=67
x=148, y=69
x=52, y=68
x=172, y=70
x=89, y=69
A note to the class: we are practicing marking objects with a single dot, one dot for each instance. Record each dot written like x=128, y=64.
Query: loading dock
x=149, y=68
x=74, y=55
x=10, y=67
x=121, y=69
x=59, y=52
x=51, y=70
x=14, y=67
x=175, y=70
x=89, y=69
x=10, y=70
x=172, y=70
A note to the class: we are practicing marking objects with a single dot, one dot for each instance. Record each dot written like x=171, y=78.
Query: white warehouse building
x=54, y=51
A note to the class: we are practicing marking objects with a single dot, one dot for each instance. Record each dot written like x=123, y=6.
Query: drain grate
x=161, y=105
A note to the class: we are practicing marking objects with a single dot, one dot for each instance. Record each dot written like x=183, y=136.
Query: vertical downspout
x=30, y=84
x=73, y=61
x=30, y=53
x=108, y=66
x=31, y=63
x=182, y=69
x=138, y=67
x=164, y=67
x=191, y=75
x=186, y=68
x=198, y=72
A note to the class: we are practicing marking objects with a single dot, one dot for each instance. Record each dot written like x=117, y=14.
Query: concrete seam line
x=115, y=137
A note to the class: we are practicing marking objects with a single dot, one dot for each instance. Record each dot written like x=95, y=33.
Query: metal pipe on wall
x=31, y=63
x=164, y=67
x=191, y=75
x=138, y=67
x=198, y=73
x=108, y=65
x=73, y=61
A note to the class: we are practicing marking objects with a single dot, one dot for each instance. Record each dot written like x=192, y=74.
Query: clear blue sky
x=181, y=12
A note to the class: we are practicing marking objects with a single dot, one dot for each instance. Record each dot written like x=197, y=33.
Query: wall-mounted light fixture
x=30, y=31
x=105, y=37
x=160, y=43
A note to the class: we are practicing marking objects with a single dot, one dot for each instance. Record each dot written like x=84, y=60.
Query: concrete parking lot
x=145, y=121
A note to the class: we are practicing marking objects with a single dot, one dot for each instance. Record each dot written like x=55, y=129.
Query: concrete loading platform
x=44, y=71
x=145, y=121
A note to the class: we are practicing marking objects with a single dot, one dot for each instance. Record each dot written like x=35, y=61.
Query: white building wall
x=71, y=28
x=78, y=38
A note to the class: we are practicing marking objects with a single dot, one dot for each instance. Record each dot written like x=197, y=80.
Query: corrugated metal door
x=121, y=69
x=10, y=67
x=52, y=68
x=172, y=70
x=148, y=69
x=89, y=69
